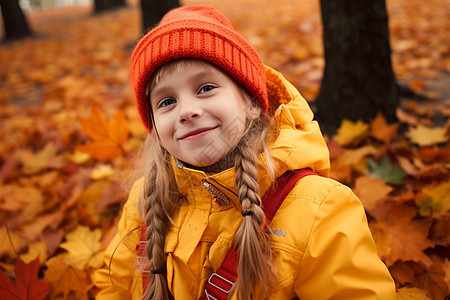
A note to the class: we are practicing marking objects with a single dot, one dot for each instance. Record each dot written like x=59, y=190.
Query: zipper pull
x=218, y=196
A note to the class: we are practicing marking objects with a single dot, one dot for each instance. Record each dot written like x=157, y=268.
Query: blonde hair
x=256, y=272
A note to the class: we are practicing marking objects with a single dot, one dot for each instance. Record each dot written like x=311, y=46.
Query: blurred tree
x=154, y=10
x=102, y=5
x=14, y=22
x=358, y=79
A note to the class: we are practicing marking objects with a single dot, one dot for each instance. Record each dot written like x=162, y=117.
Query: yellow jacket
x=322, y=246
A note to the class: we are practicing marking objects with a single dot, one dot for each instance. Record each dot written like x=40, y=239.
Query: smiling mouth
x=197, y=134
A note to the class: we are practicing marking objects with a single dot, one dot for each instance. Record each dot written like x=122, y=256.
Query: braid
x=255, y=270
x=156, y=221
x=157, y=201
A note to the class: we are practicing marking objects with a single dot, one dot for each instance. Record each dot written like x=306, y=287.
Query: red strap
x=218, y=285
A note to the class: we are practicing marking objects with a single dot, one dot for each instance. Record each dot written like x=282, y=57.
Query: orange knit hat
x=200, y=32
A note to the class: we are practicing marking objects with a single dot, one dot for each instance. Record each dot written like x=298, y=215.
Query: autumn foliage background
x=69, y=130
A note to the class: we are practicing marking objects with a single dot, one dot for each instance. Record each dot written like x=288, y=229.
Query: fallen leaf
x=102, y=171
x=381, y=130
x=371, y=190
x=351, y=132
x=35, y=250
x=385, y=170
x=446, y=268
x=406, y=293
x=46, y=158
x=425, y=136
x=65, y=278
x=434, y=200
x=82, y=246
x=108, y=137
x=407, y=237
x=27, y=285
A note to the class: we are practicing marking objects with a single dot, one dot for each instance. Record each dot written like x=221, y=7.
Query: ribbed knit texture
x=200, y=32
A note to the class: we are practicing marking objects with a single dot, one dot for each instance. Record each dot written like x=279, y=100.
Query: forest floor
x=60, y=183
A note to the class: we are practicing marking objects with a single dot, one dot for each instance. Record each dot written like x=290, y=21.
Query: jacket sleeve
x=340, y=260
x=119, y=277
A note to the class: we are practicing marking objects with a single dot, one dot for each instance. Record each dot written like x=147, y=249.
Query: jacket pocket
x=287, y=260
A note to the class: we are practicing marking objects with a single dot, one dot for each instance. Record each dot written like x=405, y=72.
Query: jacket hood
x=296, y=142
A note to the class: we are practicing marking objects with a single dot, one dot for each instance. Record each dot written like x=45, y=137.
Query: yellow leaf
x=78, y=157
x=425, y=136
x=35, y=250
x=65, y=278
x=351, y=133
x=47, y=157
x=10, y=242
x=407, y=293
x=434, y=200
x=82, y=245
x=102, y=171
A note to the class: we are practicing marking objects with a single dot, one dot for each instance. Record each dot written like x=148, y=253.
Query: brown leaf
x=407, y=237
x=371, y=190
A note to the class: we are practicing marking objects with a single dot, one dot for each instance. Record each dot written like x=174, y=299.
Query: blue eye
x=206, y=88
x=166, y=102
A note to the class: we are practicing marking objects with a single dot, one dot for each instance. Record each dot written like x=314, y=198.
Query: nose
x=188, y=111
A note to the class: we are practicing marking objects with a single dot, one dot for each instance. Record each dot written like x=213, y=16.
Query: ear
x=253, y=111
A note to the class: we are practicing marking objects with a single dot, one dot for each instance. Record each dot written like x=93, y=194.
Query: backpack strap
x=222, y=281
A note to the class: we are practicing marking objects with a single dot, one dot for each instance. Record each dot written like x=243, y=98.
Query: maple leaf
x=371, y=190
x=65, y=278
x=46, y=158
x=82, y=245
x=434, y=200
x=425, y=136
x=35, y=250
x=405, y=237
x=351, y=132
x=108, y=137
x=406, y=293
x=102, y=171
x=11, y=242
x=26, y=199
x=446, y=268
x=27, y=285
x=391, y=174
x=381, y=130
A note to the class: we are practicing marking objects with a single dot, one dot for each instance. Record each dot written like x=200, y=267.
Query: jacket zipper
x=218, y=196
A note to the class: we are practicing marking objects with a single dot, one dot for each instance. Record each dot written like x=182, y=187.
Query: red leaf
x=27, y=285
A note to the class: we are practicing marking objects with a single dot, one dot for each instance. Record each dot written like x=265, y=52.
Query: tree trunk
x=102, y=5
x=14, y=22
x=154, y=10
x=358, y=79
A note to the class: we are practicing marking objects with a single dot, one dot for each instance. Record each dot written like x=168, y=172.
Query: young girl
x=222, y=127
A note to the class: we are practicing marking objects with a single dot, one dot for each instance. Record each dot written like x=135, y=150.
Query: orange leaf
x=381, y=130
x=64, y=278
x=108, y=137
x=371, y=190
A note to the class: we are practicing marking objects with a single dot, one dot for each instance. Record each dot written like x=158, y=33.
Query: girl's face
x=199, y=113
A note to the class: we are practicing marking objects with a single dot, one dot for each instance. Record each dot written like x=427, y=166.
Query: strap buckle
x=224, y=280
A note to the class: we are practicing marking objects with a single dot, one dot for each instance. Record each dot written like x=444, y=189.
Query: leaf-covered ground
x=68, y=130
